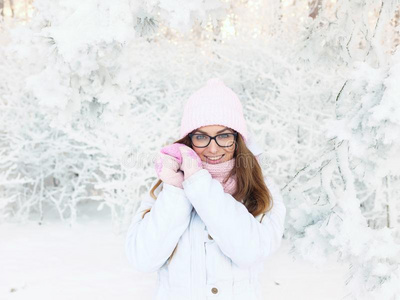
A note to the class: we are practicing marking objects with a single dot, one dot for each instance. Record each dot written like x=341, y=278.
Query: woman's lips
x=210, y=161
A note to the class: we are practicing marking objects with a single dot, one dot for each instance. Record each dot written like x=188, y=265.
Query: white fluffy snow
x=53, y=261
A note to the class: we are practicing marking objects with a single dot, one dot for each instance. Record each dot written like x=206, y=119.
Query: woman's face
x=213, y=150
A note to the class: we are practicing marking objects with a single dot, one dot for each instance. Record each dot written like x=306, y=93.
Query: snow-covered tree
x=345, y=203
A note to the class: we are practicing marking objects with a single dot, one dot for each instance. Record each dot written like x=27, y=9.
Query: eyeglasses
x=222, y=140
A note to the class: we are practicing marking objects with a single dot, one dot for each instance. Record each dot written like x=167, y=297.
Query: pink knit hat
x=213, y=104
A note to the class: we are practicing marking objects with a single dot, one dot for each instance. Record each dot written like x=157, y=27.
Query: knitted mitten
x=167, y=165
x=191, y=162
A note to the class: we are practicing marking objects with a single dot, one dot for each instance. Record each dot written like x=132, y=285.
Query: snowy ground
x=53, y=261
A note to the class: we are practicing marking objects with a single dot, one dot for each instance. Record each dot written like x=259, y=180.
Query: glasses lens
x=200, y=140
x=225, y=139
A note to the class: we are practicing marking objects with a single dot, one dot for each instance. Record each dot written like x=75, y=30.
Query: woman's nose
x=213, y=147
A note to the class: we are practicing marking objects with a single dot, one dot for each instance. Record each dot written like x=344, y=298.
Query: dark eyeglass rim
x=212, y=138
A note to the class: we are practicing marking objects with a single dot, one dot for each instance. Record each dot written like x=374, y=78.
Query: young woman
x=213, y=218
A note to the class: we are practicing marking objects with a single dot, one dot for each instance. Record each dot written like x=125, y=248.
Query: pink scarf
x=220, y=172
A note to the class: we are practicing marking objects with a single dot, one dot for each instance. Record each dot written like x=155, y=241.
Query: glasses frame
x=213, y=138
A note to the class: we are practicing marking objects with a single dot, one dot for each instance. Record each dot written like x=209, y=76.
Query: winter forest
x=91, y=90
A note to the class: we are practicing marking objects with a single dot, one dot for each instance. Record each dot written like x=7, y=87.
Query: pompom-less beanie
x=213, y=104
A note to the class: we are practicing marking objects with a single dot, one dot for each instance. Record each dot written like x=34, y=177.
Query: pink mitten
x=191, y=162
x=173, y=150
x=167, y=168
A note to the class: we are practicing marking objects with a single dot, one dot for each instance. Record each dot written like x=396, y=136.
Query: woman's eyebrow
x=226, y=128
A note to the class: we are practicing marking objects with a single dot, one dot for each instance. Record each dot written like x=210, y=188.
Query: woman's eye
x=224, y=136
x=200, y=137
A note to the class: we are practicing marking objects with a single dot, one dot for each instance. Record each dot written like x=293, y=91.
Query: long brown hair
x=251, y=189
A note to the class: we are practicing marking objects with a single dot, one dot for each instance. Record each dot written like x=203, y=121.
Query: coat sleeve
x=150, y=241
x=238, y=234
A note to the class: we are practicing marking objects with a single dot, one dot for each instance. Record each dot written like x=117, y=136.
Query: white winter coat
x=221, y=246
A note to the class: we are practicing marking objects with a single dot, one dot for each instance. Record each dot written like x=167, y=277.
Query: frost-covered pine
x=345, y=204
x=81, y=81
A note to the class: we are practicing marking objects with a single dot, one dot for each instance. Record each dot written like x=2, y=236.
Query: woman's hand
x=191, y=162
x=167, y=165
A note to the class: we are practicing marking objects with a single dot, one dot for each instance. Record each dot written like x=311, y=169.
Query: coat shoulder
x=274, y=188
x=270, y=181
